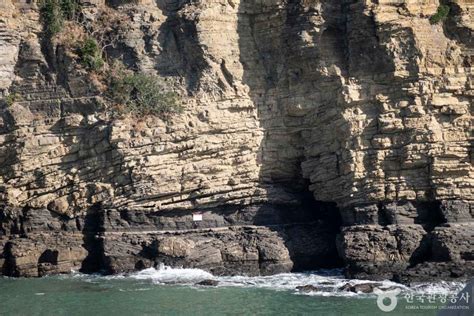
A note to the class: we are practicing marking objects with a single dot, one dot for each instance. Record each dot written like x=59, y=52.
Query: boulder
x=208, y=282
x=359, y=288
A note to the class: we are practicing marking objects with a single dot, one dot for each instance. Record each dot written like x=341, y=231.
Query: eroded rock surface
x=364, y=104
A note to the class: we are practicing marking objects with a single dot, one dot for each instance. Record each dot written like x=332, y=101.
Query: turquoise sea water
x=172, y=292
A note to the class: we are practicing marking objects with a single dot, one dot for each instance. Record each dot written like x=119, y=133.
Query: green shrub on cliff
x=70, y=8
x=54, y=12
x=440, y=15
x=90, y=54
x=12, y=98
x=52, y=16
x=149, y=94
x=141, y=94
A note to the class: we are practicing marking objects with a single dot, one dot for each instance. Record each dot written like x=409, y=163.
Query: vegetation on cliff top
x=440, y=15
x=87, y=41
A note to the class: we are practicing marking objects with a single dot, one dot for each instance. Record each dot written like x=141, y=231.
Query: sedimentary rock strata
x=357, y=115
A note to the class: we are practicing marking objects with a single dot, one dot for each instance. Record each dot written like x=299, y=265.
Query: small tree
x=108, y=28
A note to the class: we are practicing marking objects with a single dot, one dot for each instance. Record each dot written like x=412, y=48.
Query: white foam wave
x=441, y=287
x=326, y=282
x=167, y=275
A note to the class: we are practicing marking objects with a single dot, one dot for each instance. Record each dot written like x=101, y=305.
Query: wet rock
x=307, y=288
x=392, y=288
x=399, y=251
x=359, y=288
x=208, y=283
x=456, y=211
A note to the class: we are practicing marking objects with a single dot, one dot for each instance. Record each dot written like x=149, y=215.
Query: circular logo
x=388, y=295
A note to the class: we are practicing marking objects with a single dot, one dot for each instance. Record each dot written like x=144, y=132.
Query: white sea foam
x=327, y=282
x=441, y=287
x=167, y=275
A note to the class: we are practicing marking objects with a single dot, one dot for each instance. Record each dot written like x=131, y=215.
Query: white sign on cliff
x=197, y=217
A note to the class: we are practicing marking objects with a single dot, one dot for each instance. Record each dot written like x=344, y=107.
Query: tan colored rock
x=175, y=247
x=370, y=104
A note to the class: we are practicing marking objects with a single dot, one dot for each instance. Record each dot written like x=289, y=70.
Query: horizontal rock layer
x=365, y=104
x=255, y=240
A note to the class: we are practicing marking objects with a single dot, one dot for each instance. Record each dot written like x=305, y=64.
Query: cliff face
x=303, y=120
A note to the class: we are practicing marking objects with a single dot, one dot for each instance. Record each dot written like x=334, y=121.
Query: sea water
x=167, y=291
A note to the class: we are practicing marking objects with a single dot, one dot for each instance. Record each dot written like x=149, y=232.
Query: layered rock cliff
x=314, y=134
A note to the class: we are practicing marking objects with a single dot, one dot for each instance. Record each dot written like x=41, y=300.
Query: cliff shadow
x=91, y=226
x=180, y=54
x=280, y=70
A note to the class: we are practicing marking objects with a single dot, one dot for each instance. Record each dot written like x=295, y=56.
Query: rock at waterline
x=208, y=283
x=307, y=288
x=359, y=288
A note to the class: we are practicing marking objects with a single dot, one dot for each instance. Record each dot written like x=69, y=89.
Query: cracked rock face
x=364, y=106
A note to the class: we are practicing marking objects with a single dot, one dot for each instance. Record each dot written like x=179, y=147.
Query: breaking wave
x=325, y=282
x=167, y=275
